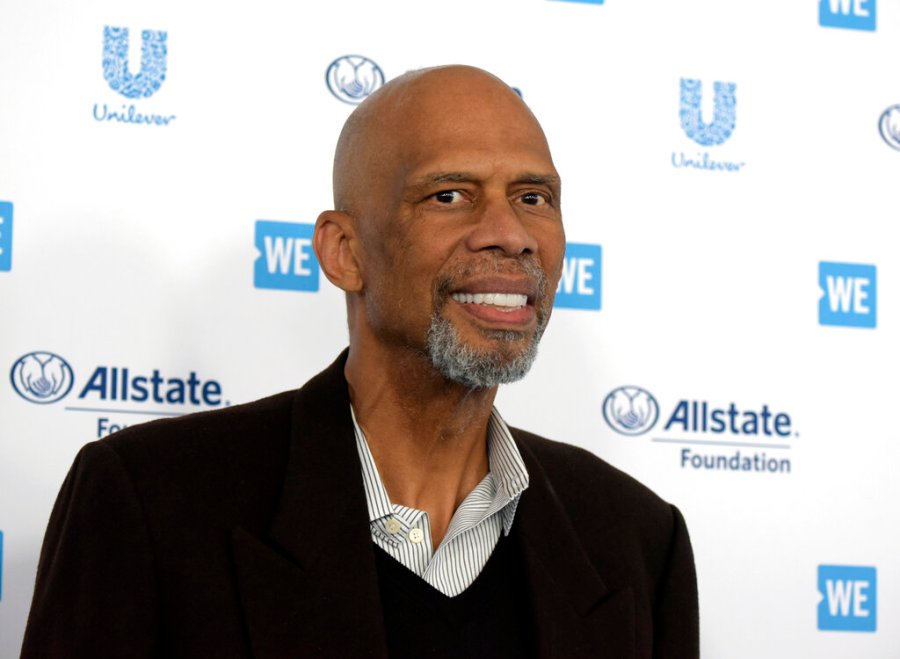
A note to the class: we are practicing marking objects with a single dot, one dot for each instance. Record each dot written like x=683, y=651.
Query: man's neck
x=426, y=434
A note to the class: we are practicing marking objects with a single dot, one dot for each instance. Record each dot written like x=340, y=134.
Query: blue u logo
x=115, y=62
x=723, y=119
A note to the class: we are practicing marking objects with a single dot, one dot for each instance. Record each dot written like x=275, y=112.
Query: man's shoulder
x=196, y=473
x=222, y=462
x=580, y=467
x=234, y=438
x=220, y=424
x=590, y=487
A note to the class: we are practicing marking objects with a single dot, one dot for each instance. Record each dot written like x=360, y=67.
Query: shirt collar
x=505, y=465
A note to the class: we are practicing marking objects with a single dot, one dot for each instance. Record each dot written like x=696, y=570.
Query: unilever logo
x=141, y=85
x=889, y=125
x=352, y=78
x=707, y=134
x=42, y=377
x=723, y=117
x=630, y=410
x=115, y=62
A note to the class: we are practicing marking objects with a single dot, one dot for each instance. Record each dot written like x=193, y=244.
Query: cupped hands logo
x=724, y=120
x=630, y=410
x=352, y=78
x=889, y=126
x=115, y=62
x=42, y=377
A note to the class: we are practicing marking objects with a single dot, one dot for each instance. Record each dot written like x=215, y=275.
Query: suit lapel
x=312, y=587
x=575, y=613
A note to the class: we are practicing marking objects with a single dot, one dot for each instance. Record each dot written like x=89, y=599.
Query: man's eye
x=534, y=199
x=449, y=196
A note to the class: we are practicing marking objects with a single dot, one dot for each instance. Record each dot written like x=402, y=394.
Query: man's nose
x=501, y=227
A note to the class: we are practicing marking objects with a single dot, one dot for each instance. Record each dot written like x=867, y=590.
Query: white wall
x=134, y=248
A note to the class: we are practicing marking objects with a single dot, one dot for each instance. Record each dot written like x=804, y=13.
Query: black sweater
x=489, y=619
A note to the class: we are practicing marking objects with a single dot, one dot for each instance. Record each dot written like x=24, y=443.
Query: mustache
x=493, y=265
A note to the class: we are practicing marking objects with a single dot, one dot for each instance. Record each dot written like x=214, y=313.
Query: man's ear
x=335, y=244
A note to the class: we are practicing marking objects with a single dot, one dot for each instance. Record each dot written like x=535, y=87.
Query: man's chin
x=495, y=357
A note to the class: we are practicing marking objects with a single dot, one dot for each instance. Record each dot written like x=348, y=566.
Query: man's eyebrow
x=442, y=177
x=464, y=177
x=539, y=179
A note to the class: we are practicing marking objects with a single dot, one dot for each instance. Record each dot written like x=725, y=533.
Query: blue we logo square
x=579, y=285
x=6, y=226
x=849, y=598
x=848, y=14
x=286, y=258
x=849, y=294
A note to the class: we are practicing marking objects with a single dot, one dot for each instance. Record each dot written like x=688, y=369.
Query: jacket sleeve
x=95, y=592
x=676, y=630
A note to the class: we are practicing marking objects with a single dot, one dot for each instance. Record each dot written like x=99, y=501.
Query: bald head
x=447, y=235
x=384, y=133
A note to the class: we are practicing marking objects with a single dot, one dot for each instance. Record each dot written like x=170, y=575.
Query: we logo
x=848, y=14
x=286, y=258
x=848, y=294
x=579, y=285
x=6, y=227
x=848, y=598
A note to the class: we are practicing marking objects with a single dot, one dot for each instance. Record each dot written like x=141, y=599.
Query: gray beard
x=482, y=369
x=514, y=352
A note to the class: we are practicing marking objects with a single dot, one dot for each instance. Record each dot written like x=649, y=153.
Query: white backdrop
x=135, y=248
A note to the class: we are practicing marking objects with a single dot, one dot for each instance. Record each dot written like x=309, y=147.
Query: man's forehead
x=467, y=138
x=477, y=151
x=449, y=119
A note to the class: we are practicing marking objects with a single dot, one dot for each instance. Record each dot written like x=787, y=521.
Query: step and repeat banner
x=726, y=327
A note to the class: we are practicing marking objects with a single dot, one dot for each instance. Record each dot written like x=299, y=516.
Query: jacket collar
x=312, y=584
x=575, y=613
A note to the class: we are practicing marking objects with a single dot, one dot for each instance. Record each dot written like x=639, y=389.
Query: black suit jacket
x=243, y=533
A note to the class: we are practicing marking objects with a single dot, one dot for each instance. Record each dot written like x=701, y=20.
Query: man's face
x=464, y=241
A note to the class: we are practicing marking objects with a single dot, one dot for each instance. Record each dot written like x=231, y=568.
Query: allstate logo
x=723, y=117
x=889, y=125
x=630, y=410
x=42, y=377
x=352, y=78
x=115, y=62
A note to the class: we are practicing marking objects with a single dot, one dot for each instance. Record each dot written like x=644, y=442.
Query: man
x=384, y=509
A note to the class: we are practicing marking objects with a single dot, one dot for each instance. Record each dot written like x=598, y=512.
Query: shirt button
x=392, y=525
x=416, y=535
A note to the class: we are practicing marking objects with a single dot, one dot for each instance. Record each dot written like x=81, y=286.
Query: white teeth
x=510, y=300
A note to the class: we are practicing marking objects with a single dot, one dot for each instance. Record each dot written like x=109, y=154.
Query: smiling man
x=449, y=242
x=384, y=509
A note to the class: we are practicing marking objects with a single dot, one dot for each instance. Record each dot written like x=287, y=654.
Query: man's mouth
x=507, y=302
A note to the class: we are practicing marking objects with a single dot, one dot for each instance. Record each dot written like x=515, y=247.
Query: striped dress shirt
x=405, y=534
